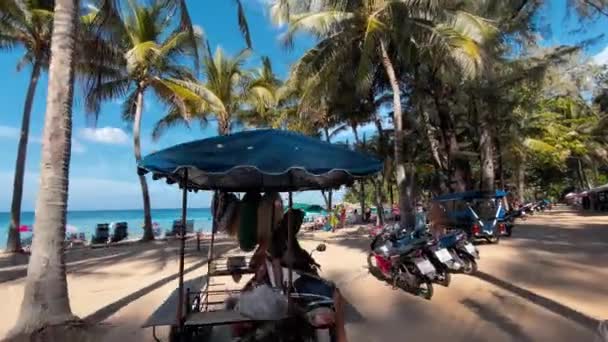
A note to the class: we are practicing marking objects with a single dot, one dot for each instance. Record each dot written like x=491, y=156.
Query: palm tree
x=228, y=92
x=383, y=31
x=149, y=57
x=28, y=25
x=45, y=299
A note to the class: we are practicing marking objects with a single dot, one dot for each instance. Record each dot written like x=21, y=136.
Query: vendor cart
x=251, y=161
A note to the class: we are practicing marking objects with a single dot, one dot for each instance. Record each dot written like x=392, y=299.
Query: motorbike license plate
x=470, y=248
x=424, y=266
x=443, y=255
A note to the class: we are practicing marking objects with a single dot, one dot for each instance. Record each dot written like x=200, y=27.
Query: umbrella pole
x=180, y=295
x=290, y=249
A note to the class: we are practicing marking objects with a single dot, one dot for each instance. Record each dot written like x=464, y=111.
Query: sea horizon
x=86, y=220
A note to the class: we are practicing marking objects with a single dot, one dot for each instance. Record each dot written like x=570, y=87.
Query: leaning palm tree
x=45, y=300
x=228, y=92
x=150, y=51
x=384, y=33
x=28, y=25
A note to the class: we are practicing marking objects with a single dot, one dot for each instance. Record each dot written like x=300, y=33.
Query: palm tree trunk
x=521, y=180
x=356, y=134
x=361, y=183
x=582, y=176
x=405, y=200
x=379, y=207
x=13, y=243
x=459, y=168
x=362, y=197
x=45, y=299
x=486, y=144
x=330, y=193
x=148, y=233
x=501, y=170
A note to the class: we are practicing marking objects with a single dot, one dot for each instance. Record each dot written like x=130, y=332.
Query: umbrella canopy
x=470, y=195
x=260, y=160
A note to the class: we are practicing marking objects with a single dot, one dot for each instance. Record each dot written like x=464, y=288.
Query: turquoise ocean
x=86, y=221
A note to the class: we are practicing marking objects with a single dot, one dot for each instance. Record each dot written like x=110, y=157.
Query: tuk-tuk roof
x=470, y=195
x=260, y=160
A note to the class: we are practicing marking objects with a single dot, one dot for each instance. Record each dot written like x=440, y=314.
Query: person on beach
x=342, y=216
x=275, y=250
x=368, y=214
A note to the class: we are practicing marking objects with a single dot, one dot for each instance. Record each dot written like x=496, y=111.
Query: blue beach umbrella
x=260, y=160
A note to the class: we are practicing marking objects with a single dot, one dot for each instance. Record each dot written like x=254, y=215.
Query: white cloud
x=602, y=57
x=105, y=135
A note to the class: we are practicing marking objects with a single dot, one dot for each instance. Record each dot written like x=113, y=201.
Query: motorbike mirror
x=321, y=247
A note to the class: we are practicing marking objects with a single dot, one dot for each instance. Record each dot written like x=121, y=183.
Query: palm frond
x=243, y=26
x=320, y=24
x=172, y=119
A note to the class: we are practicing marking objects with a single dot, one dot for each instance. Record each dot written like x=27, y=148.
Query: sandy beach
x=546, y=283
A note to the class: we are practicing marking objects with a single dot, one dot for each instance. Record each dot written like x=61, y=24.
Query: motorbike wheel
x=493, y=239
x=446, y=279
x=425, y=290
x=374, y=270
x=470, y=265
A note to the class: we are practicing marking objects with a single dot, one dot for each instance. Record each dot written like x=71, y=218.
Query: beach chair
x=121, y=231
x=102, y=234
x=176, y=229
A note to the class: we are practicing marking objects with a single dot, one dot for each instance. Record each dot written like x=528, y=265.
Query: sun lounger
x=102, y=234
x=120, y=232
x=177, y=228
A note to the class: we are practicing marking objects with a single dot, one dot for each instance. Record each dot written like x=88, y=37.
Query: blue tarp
x=470, y=195
x=260, y=160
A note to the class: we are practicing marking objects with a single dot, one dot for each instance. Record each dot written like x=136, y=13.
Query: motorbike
x=462, y=251
x=401, y=260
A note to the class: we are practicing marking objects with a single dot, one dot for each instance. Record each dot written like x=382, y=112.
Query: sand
x=546, y=283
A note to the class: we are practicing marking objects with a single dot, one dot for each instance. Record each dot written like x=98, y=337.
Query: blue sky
x=102, y=170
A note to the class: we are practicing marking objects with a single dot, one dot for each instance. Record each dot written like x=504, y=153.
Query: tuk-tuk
x=268, y=161
x=479, y=213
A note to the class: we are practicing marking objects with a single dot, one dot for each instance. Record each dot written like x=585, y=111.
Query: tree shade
x=260, y=160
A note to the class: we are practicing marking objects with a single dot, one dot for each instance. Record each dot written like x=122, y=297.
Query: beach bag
x=270, y=204
x=263, y=303
x=223, y=207
x=228, y=216
x=247, y=235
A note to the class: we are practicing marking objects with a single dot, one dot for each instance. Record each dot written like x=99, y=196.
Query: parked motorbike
x=403, y=263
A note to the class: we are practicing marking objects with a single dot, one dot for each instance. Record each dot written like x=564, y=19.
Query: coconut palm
x=384, y=32
x=149, y=59
x=228, y=92
x=28, y=25
x=45, y=299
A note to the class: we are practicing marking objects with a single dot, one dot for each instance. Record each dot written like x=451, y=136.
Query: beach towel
x=248, y=221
